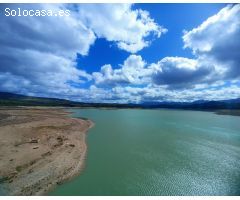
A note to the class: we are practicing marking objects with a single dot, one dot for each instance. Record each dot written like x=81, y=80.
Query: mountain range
x=10, y=99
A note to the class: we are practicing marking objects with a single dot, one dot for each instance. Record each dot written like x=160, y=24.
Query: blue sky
x=123, y=53
x=176, y=17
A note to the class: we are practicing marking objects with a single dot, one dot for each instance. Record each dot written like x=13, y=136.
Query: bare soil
x=39, y=148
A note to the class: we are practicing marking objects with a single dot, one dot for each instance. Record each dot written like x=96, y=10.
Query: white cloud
x=211, y=75
x=121, y=24
x=158, y=94
x=174, y=72
x=38, y=53
x=132, y=71
x=38, y=59
x=178, y=72
x=217, y=40
x=63, y=36
x=41, y=70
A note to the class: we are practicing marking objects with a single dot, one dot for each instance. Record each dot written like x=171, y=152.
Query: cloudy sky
x=123, y=53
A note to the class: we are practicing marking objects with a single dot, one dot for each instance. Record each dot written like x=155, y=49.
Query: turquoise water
x=158, y=152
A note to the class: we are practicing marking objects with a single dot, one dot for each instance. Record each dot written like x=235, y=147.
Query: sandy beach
x=39, y=148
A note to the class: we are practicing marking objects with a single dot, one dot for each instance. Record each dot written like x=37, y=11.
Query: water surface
x=158, y=152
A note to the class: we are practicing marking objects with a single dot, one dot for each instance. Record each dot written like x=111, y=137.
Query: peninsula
x=39, y=148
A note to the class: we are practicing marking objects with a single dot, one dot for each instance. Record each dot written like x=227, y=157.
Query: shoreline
x=40, y=148
x=81, y=164
x=229, y=112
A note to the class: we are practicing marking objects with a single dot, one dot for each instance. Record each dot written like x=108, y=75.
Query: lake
x=158, y=152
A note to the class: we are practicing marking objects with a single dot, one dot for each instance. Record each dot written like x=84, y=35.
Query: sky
x=123, y=53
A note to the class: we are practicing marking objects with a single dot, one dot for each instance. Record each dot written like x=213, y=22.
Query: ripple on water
x=159, y=152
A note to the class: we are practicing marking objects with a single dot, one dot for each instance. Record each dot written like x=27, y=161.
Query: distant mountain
x=10, y=99
x=7, y=99
x=199, y=105
x=232, y=101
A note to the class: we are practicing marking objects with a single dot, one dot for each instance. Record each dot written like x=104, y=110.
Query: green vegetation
x=19, y=168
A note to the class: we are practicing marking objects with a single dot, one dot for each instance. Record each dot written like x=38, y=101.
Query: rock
x=34, y=141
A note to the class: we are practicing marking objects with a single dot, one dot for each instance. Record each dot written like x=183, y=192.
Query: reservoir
x=158, y=152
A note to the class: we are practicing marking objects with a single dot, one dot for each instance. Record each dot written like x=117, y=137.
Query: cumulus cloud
x=38, y=53
x=121, y=24
x=37, y=56
x=215, y=45
x=35, y=71
x=158, y=94
x=218, y=40
x=173, y=72
x=63, y=35
x=180, y=72
x=132, y=71
x=211, y=75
